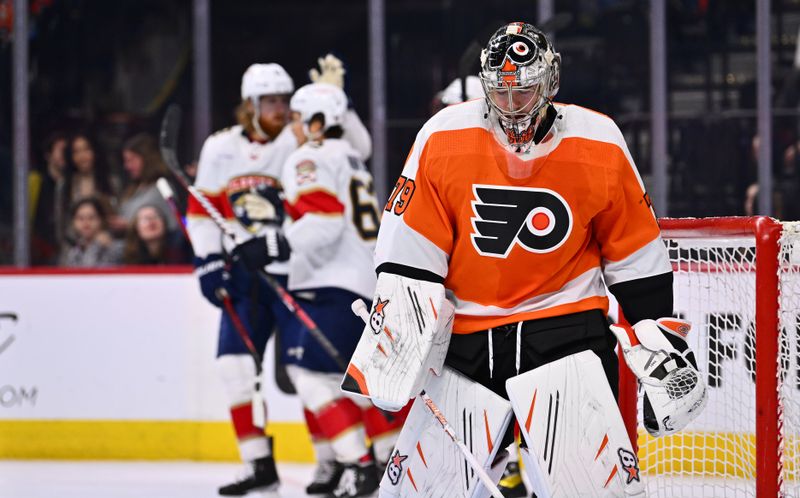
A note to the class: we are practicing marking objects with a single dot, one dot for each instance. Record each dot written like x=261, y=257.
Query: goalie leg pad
x=406, y=336
x=576, y=439
x=425, y=462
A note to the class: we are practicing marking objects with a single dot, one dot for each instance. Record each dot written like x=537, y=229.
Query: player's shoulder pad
x=585, y=123
x=305, y=153
x=470, y=114
x=221, y=140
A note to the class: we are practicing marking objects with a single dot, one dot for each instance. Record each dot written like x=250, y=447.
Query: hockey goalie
x=511, y=218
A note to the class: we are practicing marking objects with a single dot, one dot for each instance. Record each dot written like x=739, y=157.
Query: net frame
x=765, y=233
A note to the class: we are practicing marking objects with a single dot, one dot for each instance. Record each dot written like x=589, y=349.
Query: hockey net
x=738, y=281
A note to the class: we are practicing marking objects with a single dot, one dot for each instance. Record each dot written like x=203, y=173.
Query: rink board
x=121, y=365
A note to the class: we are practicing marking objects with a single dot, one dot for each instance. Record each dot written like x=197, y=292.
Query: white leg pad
x=577, y=443
x=425, y=462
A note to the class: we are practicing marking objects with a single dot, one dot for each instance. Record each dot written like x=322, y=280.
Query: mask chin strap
x=547, y=117
x=256, y=114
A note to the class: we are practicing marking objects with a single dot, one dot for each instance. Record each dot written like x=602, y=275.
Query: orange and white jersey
x=330, y=198
x=241, y=178
x=521, y=237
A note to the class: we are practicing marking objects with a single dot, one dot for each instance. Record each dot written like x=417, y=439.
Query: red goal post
x=737, y=281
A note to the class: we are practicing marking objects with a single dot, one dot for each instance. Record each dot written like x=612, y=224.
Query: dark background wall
x=114, y=66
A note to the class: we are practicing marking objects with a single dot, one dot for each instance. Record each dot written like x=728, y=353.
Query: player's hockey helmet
x=456, y=91
x=266, y=79
x=520, y=76
x=320, y=98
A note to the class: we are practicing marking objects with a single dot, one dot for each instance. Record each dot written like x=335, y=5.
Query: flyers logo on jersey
x=539, y=220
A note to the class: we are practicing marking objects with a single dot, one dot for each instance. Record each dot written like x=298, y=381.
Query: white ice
x=62, y=479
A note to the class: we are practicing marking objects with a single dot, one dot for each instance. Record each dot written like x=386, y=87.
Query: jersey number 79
x=401, y=196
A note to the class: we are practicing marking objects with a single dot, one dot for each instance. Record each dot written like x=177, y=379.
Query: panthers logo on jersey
x=539, y=220
x=256, y=201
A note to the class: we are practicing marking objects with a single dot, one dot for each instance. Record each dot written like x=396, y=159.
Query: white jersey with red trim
x=518, y=237
x=241, y=177
x=330, y=198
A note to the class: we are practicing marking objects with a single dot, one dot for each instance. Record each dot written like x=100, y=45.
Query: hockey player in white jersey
x=239, y=171
x=511, y=216
x=330, y=198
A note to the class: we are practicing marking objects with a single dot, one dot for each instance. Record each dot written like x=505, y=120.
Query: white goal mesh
x=718, y=288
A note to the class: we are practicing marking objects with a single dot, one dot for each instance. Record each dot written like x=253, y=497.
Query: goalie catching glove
x=674, y=390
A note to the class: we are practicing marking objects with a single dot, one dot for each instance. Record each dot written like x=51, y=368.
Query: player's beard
x=272, y=126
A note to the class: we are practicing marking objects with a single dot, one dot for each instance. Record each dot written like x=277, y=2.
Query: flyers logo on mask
x=538, y=220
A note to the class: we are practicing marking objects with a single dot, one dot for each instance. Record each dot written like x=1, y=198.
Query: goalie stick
x=360, y=309
x=167, y=142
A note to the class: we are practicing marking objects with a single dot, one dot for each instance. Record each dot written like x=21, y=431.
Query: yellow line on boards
x=141, y=440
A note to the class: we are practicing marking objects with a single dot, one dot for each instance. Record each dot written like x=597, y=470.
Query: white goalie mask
x=319, y=98
x=520, y=76
x=674, y=390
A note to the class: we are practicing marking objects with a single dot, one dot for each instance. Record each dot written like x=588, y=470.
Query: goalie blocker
x=405, y=339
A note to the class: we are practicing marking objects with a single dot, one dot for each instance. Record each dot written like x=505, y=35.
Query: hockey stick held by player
x=235, y=165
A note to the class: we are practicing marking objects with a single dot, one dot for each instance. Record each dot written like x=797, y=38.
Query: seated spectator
x=144, y=166
x=44, y=183
x=86, y=175
x=149, y=242
x=92, y=246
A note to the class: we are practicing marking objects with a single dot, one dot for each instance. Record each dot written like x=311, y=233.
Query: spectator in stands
x=150, y=242
x=785, y=186
x=92, y=246
x=144, y=166
x=44, y=184
x=86, y=175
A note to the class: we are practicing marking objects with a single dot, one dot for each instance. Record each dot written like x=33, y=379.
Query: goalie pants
x=490, y=357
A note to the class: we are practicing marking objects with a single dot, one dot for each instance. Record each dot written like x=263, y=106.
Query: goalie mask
x=520, y=76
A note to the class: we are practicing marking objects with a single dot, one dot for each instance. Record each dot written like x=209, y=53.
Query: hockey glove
x=674, y=390
x=258, y=252
x=213, y=277
x=331, y=70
